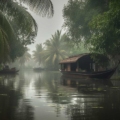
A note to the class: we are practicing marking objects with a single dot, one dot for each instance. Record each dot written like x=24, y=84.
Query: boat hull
x=99, y=75
x=9, y=71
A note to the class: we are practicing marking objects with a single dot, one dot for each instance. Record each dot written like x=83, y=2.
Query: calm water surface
x=50, y=96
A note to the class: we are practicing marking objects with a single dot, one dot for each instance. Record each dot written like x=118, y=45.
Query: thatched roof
x=86, y=56
x=73, y=59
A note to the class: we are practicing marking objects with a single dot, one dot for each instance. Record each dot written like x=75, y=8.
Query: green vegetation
x=97, y=22
x=55, y=49
x=23, y=61
x=17, y=27
x=106, y=29
x=91, y=26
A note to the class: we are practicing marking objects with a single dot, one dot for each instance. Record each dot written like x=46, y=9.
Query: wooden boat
x=9, y=71
x=99, y=75
x=73, y=67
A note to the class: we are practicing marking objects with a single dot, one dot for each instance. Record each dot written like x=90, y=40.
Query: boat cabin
x=82, y=63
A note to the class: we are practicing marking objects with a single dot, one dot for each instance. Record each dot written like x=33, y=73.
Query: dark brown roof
x=73, y=59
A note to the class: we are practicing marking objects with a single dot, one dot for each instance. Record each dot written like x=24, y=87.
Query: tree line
x=91, y=23
x=94, y=24
x=50, y=53
x=97, y=22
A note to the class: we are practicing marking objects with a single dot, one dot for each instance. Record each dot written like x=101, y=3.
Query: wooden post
x=77, y=69
x=96, y=67
x=68, y=67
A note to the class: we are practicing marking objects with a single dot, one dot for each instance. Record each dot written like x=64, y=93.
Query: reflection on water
x=48, y=96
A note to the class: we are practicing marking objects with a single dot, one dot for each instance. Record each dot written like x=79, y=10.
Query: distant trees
x=78, y=48
x=55, y=49
x=38, y=54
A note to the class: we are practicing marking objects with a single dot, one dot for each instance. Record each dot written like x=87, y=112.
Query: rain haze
x=48, y=26
x=68, y=73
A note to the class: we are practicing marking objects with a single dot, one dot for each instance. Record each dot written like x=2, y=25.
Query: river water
x=44, y=96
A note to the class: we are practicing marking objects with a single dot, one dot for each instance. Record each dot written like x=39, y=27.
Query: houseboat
x=84, y=66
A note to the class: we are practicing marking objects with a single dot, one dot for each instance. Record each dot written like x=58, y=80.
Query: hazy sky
x=48, y=26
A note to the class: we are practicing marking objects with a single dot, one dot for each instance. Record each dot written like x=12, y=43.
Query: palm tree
x=38, y=54
x=41, y=7
x=56, y=49
x=17, y=26
x=7, y=38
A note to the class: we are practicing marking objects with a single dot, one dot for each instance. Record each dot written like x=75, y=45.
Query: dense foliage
x=77, y=15
x=97, y=22
x=106, y=30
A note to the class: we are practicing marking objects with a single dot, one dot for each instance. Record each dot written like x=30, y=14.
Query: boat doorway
x=73, y=66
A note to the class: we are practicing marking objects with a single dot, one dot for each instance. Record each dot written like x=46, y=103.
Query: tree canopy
x=97, y=22
x=77, y=15
x=17, y=27
x=106, y=30
x=55, y=49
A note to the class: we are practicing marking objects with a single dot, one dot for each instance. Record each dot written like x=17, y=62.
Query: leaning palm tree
x=4, y=38
x=56, y=49
x=17, y=26
x=14, y=36
x=41, y=7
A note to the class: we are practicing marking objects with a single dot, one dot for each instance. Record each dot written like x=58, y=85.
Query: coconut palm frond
x=55, y=49
x=47, y=59
x=1, y=43
x=54, y=58
x=6, y=27
x=4, y=46
x=42, y=7
x=21, y=20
